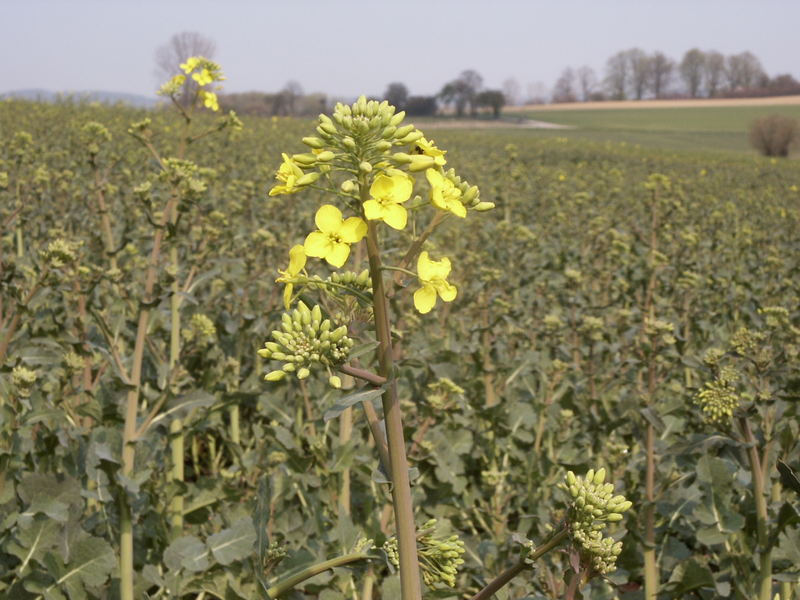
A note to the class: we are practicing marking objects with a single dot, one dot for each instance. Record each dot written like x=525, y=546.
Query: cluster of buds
x=439, y=558
x=306, y=338
x=719, y=399
x=594, y=505
x=341, y=282
x=660, y=329
x=201, y=328
x=59, y=253
x=23, y=380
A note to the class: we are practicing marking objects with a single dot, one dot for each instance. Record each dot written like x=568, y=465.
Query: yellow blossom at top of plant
x=444, y=194
x=428, y=148
x=432, y=275
x=297, y=262
x=203, y=70
x=389, y=191
x=332, y=241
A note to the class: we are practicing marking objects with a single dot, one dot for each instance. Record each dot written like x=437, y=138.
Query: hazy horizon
x=348, y=48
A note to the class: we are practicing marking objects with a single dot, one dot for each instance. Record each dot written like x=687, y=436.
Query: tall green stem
x=129, y=432
x=410, y=584
x=506, y=576
x=759, y=494
x=650, y=566
x=177, y=439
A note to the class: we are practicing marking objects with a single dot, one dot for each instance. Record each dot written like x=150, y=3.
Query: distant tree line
x=635, y=74
x=463, y=95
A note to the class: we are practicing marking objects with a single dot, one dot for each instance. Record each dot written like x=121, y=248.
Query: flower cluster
x=59, y=253
x=719, y=399
x=360, y=140
x=203, y=72
x=593, y=506
x=306, y=339
x=439, y=557
x=23, y=379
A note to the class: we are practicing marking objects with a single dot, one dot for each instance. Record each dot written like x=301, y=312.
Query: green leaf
x=187, y=552
x=91, y=561
x=234, y=543
x=347, y=401
x=31, y=542
x=49, y=495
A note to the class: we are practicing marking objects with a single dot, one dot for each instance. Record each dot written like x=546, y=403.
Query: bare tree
x=587, y=80
x=691, y=69
x=617, y=75
x=181, y=46
x=512, y=92
x=713, y=70
x=743, y=70
x=640, y=71
x=661, y=69
x=564, y=89
x=461, y=92
x=536, y=93
x=396, y=94
x=473, y=83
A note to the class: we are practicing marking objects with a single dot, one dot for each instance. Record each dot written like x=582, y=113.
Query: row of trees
x=463, y=94
x=635, y=74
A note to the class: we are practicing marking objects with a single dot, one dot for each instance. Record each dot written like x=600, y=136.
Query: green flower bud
x=335, y=381
x=303, y=372
x=349, y=186
x=349, y=143
x=325, y=156
x=397, y=118
x=307, y=179
x=365, y=167
x=411, y=137
x=274, y=376
x=307, y=160
x=484, y=206
x=403, y=131
x=314, y=142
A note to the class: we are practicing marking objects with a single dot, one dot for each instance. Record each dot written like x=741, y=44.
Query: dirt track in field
x=689, y=103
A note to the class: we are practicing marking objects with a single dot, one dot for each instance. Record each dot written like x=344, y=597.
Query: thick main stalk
x=410, y=584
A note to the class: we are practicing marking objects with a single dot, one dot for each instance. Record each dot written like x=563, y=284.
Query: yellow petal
x=317, y=244
x=434, y=178
x=425, y=299
x=352, y=230
x=328, y=219
x=395, y=215
x=457, y=208
x=338, y=254
x=447, y=291
x=297, y=260
x=424, y=266
x=373, y=210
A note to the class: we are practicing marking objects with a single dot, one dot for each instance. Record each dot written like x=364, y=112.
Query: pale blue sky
x=348, y=47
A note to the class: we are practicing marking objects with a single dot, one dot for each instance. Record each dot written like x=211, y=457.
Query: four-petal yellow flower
x=297, y=261
x=444, y=194
x=332, y=241
x=288, y=174
x=389, y=191
x=432, y=275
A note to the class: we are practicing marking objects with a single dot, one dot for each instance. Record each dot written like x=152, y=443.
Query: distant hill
x=89, y=96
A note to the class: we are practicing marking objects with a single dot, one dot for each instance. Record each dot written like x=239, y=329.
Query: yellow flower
x=190, y=64
x=297, y=261
x=432, y=275
x=204, y=77
x=288, y=174
x=428, y=148
x=444, y=194
x=209, y=100
x=332, y=241
x=388, y=192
